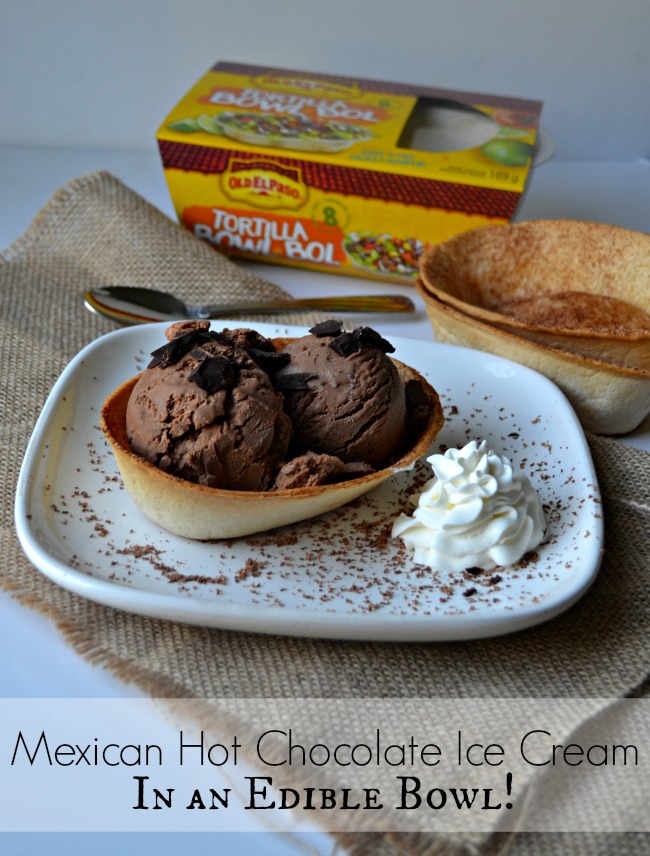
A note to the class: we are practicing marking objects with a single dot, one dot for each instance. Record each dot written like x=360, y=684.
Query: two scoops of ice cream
x=228, y=433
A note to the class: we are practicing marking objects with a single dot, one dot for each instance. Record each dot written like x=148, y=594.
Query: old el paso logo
x=263, y=186
x=307, y=85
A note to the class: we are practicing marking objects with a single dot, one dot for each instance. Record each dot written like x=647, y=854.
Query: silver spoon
x=134, y=305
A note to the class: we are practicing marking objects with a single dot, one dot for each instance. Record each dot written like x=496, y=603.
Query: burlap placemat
x=97, y=231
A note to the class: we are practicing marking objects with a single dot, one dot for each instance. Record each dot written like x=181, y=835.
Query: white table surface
x=41, y=663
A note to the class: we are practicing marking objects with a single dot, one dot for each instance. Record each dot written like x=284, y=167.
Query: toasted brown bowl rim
x=491, y=316
x=571, y=356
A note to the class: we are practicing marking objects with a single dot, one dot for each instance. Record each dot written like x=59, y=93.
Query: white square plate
x=337, y=576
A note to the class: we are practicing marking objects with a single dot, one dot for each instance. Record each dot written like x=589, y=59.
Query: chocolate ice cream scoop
x=311, y=469
x=344, y=395
x=205, y=411
x=200, y=435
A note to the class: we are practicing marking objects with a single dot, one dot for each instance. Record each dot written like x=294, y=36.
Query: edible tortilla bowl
x=479, y=270
x=608, y=399
x=206, y=513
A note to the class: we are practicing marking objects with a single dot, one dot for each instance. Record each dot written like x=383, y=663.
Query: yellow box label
x=334, y=174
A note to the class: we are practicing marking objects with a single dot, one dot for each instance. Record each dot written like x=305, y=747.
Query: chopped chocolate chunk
x=215, y=373
x=269, y=361
x=175, y=349
x=327, y=328
x=474, y=571
x=368, y=336
x=346, y=344
x=200, y=353
x=182, y=342
x=291, y=381
x=469, y=592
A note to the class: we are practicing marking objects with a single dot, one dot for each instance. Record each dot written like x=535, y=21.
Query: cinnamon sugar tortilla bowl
x=205, y=513
x=486, y=273
x=608, y=399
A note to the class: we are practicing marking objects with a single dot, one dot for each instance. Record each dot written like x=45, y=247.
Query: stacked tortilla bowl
x=568, y=298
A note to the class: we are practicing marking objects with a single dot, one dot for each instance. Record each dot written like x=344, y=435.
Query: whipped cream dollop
x=474, y=513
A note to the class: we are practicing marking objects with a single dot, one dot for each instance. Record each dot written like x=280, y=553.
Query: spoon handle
x=114, y=304
x=361, y=303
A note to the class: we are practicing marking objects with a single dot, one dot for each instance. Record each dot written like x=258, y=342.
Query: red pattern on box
x=409, y=190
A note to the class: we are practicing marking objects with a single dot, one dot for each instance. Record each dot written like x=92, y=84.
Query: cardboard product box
x=341, y=175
